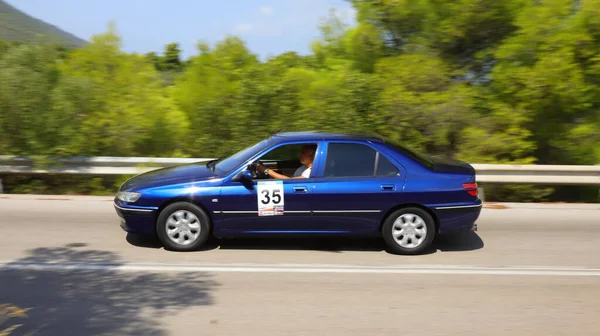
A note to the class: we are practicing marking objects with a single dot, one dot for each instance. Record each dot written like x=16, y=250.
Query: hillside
x=18, y=26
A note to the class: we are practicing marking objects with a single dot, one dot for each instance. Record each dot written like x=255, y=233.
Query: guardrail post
x=481, y=194
x=1, y=189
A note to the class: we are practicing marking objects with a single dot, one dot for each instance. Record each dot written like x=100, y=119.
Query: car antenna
x=279, y=130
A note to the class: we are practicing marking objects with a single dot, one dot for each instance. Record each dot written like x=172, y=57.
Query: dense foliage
x=484, y=81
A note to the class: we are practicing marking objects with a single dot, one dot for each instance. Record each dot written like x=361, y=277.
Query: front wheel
x=408, y=231
x=183, y=226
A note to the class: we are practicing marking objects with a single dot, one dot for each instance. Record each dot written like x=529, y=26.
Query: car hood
x=170, y=175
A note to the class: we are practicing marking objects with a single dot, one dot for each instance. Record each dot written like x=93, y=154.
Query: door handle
x=300, y=189
x=387, y=187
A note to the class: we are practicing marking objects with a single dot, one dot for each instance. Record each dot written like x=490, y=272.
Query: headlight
x=127, y=196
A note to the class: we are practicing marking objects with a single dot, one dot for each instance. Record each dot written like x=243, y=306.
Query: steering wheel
x=252, y=168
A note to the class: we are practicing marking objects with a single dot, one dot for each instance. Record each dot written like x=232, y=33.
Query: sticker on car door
x=270, y=198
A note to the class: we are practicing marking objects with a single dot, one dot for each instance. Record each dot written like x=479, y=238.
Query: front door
x=266, y=205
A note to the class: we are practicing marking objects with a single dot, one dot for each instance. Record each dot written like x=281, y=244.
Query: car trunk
x=451, y=166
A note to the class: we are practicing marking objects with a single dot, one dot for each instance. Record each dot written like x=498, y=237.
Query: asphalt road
x=67, y=268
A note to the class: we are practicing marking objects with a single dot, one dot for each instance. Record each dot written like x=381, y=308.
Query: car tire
x=183, y=226
x=408, y=231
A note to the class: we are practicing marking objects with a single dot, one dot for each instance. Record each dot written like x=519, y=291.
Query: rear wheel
x=183, y=226
x=408, y=231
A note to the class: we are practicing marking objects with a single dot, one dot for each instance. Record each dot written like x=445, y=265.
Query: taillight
x=471, y=188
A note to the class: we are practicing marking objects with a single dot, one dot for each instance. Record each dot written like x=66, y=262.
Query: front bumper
x=138, y=220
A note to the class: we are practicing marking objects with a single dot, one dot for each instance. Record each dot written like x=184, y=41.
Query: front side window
x=289, y=161
x=356, y=160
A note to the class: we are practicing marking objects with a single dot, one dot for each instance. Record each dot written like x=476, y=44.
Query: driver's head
x=307, y=155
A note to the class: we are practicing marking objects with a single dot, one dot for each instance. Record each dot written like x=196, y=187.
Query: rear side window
x=356, y=160
x=385, y=167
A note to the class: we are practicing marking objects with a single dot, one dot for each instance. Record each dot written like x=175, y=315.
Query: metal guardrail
x=486, y=173
x=538, y=174
x=98, y=165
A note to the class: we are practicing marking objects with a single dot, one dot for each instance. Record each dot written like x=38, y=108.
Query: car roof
x=320, y=135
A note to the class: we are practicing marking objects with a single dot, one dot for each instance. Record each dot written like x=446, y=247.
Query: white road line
x=296, y=265
x=407, y=269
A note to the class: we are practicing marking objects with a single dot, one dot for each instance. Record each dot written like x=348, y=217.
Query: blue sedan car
x=356, y=185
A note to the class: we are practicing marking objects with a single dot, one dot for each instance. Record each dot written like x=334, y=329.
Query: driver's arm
x=261, y=168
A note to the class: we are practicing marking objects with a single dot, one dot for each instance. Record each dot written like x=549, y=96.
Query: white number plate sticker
x=270, y=198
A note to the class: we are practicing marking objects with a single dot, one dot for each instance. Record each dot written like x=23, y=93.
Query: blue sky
x=269, y=27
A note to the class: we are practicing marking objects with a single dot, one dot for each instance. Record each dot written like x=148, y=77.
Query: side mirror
x=246, y=175
x=243, y=175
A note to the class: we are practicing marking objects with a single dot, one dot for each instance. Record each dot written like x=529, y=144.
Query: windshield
x=223, y=166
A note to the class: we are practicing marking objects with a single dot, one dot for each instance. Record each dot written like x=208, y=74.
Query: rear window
x=423, y=159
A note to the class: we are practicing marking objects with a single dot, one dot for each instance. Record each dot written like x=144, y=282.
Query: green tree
x=130, y=113
x=27, y=124
x=171, y=60
x=547, y=72
x=421, y=105
x=155, y=60
x=207, y=93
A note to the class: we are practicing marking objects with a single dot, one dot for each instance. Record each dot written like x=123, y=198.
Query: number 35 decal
x=271, y=195
x=270, y=198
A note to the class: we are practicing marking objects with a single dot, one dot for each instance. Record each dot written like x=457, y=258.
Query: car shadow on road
x=143, y=241
x=464, y=241
x=147, y=241
x=323, y=244
x=40, y=296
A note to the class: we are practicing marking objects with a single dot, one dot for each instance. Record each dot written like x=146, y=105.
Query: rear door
x=356, y=184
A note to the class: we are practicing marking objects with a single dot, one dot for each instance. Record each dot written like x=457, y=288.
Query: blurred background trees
x=484, y=81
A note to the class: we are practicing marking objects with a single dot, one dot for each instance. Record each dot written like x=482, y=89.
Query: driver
x=307, y=156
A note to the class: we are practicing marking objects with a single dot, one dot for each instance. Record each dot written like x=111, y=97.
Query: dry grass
x=494, y=206
x=8, y=312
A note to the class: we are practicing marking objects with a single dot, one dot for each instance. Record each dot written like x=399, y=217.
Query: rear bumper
x=136, y=220
x=455, y=218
